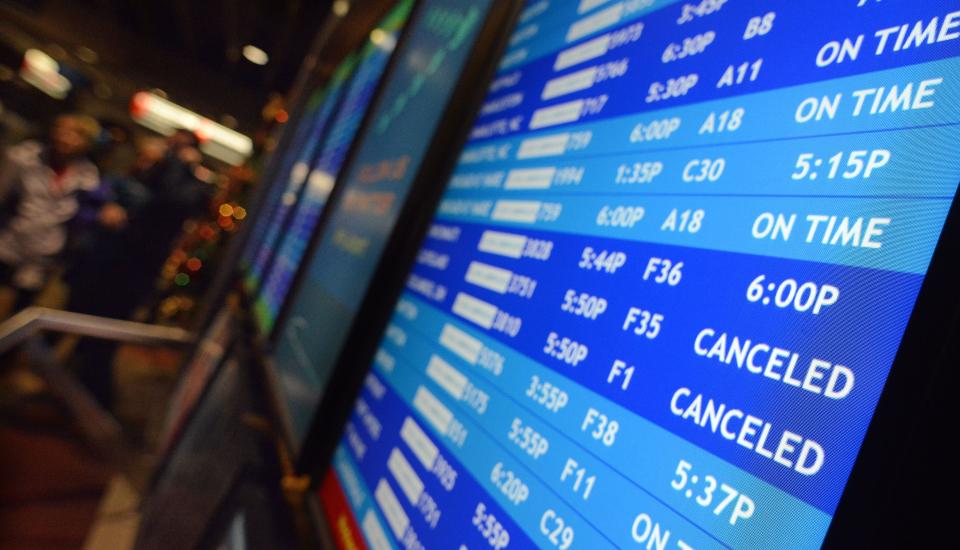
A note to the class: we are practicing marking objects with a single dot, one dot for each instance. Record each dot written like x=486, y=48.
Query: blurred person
x=111, y=220
x=39, y=187
x=178, y=194
x=117, y=150
x=98, y=209
x=102, y=212
x=119, y=274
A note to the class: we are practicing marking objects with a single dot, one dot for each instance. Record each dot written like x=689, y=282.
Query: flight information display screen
x=376, y=184
x=294, y=173
x=288, y=156
x=666, y=283
x=323, y=175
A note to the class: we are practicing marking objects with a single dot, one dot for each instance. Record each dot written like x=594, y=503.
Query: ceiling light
x=43, y=72
x=341, y=7
x=165, y=117
x=255, y=55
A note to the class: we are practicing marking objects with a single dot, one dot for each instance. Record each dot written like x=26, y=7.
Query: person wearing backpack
x=39, y=183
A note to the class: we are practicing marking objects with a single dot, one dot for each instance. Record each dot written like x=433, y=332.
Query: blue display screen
x=376, y=185
x=294, y=174
x=301, y=130
x=323, y=174
x=667, y=281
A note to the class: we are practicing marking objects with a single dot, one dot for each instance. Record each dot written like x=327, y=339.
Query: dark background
x=188, y=50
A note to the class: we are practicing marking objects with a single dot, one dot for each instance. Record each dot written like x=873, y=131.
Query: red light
x=202, y=130
x=139, y=104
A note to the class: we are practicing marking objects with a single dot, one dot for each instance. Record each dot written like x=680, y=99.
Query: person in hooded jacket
x=39, y=187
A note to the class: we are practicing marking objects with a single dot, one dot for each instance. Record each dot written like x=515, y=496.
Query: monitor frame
x=416, y=215
x=231, y=272
x=269, y=195
x=209, y=507
x=267, y=339
x=272, y=199
x=309, y=82
x=264, y=343
x=251, y=295
x=175, y=438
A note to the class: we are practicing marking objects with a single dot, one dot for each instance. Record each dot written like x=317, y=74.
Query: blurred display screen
x=666, y=283
x=204, y=466
x=293, y=173
x=326, y=167
x=376, y=185
x=195, y=378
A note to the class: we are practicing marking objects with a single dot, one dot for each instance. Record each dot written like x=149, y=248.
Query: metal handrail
x=17, y=329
